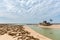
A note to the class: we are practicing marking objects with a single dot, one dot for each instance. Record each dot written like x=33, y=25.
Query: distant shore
x=55, y=26
x=29, y=23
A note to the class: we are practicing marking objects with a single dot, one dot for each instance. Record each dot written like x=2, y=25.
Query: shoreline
x=52, y=26
x=6, y=35
x=35, y=34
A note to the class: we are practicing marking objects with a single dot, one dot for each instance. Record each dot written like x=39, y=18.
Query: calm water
x=50, y=33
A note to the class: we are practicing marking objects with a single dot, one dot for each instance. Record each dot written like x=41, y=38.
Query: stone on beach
x=16, y=31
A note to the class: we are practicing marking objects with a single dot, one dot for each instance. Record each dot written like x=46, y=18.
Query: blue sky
x=29, y=11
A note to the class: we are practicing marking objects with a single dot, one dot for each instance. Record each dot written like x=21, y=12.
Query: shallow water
x=50, y=33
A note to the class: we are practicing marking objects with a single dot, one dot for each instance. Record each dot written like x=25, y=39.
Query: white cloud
x=8, y=15
x=25, y=9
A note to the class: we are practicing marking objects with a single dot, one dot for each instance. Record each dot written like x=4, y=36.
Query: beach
x=19, y=32
x=52, y=26
x=35, y=34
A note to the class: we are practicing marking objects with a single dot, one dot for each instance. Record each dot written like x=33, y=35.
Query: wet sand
x=35, y=34
x=52, y=26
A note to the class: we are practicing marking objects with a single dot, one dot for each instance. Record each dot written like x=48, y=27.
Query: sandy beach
x=6, y=37
x=11, y=33
x=52, y=26
x=35, y=34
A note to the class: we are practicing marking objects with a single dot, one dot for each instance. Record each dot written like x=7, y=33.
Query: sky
x=29, y=11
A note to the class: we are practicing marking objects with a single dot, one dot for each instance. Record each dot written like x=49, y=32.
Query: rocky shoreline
x=16, y=31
